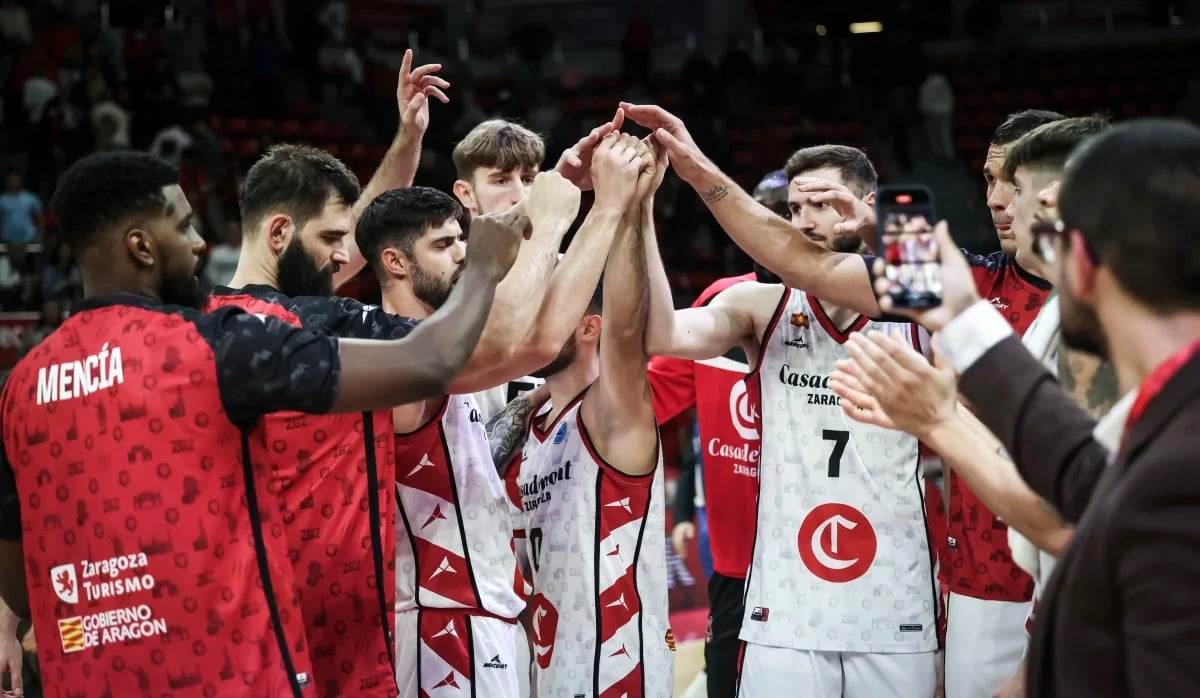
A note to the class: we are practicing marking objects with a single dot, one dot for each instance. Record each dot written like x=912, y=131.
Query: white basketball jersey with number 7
x=841, y=553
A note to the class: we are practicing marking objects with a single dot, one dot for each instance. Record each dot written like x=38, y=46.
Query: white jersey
x=492, y=400
x=454, y=546
x=598, y=548
x=841, y=553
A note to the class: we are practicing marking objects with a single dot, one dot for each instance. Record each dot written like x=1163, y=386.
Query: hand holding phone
x=912, y=272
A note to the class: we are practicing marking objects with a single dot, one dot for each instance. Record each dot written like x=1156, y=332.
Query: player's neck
x=1143, y=340
x=840, y=317
x=570, y=382
x=254, y=270
x=398, y=299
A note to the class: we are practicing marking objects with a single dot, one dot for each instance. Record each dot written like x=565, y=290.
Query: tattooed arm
x=1092, y=382
x=508, y=428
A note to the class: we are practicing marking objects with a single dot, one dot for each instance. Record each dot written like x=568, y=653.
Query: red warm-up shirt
x=980, y=563
x=728, y=439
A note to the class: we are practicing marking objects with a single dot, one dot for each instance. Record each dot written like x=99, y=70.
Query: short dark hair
x=1133, y=193
x=397, y=218
x=106, y=190
x=1020, y=123
x=498, y=143
x=297, y=180
x=1048, y=146
x=853, y=164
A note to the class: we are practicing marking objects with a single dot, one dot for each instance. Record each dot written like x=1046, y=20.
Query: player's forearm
x=8, y=620
x=982, y=464
x=767, y=238
x=397, y=170
x=626, y=294
x=660, y=327
x=423, y=365
x=573, y=282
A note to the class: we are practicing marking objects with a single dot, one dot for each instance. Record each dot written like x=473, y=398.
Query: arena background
x=208, y=85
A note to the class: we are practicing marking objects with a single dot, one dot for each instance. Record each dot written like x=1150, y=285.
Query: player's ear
x=140, y=245
x=279, y=230
x=1080, y=268
x=394, y=262
x=465, y=193
x=869, y=199
x=589, y=328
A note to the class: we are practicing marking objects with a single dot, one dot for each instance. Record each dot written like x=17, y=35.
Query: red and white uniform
x=598, y=549
x=840, y=595
x=458, y=590
x=989, y=594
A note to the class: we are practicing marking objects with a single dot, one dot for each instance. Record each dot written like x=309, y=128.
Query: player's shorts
x=771, y=672
x=985, y=641
x=475, y=655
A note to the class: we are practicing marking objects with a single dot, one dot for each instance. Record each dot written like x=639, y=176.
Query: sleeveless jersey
x=155, y=564
x=598, y=549
x=454, y=546
x=333, y=475
x=492, y=400
x=841, y=558
x=979, y=561
x=729, y=445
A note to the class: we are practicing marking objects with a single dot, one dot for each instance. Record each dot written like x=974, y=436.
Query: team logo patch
x=837, y=543
x=65, y=583
x=545, y=626
x=71, y=630
x=561, y=435
x=670, y=639
x=799, y=320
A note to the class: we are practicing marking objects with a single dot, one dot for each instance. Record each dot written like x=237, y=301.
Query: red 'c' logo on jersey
x=545, y=626
x=837, y=543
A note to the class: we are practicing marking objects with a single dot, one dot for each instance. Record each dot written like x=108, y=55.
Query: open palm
x=413, y=90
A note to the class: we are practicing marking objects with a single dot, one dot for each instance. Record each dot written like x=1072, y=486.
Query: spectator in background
x=14, y=23
x=110, y=122
x=61, y=280
x=51, y=317
x=937, y=112
x=16, y=283
x=532, y=42
x=195, y=85
x=21, y=213
x=39, y=90
x=169, y=144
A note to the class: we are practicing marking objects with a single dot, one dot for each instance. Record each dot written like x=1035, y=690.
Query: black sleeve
x=348, y=318
x=10, y=504
x=264, y=365
x=684, y=507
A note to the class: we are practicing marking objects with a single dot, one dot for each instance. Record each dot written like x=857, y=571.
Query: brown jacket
x=1121, y=614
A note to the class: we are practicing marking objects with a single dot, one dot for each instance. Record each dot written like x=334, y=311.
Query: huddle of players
x=839, y=591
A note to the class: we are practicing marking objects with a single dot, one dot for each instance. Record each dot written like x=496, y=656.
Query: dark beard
x=566, y=356
x=429, y=288
x=1080, y=327
x=189, y=292
x=298, y=274
x=850, y=244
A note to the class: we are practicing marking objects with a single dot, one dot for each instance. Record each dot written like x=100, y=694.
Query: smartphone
x=905, y=216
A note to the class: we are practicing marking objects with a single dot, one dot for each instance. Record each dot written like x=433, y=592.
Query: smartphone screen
x=906, y=216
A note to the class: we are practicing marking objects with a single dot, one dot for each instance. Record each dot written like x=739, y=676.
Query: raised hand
x=669, y=130
x=413, y=90
x=651, y=178
x=553, y=201
x=575, y=163
x=496, y=239
x=615, y=167
x=858, y=217
x=958, y=285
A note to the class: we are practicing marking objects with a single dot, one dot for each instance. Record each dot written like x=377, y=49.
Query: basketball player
x=497, y=162
x=590, y=482
x=985, y=638
x=729, y=449
x=458, y=588
x=840, y=596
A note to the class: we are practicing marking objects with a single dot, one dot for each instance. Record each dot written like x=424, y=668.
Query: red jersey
x=155, y=565
x=980, y=561
x=333, y=479
x=728, y=438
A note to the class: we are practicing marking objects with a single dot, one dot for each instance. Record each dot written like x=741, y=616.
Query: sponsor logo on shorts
x=495, y=663
x=760, y=614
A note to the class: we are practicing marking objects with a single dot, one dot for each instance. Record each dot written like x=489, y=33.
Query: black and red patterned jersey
x=155, y=565
x=333, y=476
x=980, y=562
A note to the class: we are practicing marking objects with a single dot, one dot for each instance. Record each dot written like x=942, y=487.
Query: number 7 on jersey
x=839, y=439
